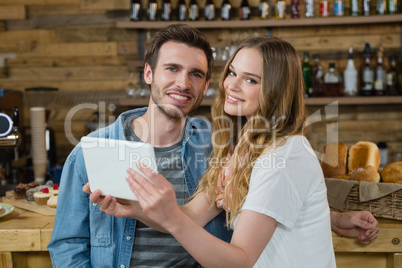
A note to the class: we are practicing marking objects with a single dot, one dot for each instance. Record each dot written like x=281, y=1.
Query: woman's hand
x=156, y=198
x=117, y=207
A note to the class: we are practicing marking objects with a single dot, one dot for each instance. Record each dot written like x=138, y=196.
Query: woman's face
x=243, y=83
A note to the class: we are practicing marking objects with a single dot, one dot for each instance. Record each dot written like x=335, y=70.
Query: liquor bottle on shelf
x=393, y=75
x=350, y=76
x=244, y=11
x=280, y=10
x=392, y=6
x=209, y=10
x=317, y=77
x=381, y=7
x=307, y=72
x=309, y=8
x=182, y=10
x=135, y=12
x=193, y=10
x=339, y=8
x=332, y=82
x=166, y=10
x=295, y=14
x=264, y=9
x=354, y=8
x=152, y=10
x=367, y=74
x=225, y=10
x=324, y=8
x=366, y=7
x=379, y=82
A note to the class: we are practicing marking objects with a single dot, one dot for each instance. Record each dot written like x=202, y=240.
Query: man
x=178, y=65
x=178, y=68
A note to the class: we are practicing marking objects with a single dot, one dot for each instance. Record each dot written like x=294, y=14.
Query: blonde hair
x=281, y=114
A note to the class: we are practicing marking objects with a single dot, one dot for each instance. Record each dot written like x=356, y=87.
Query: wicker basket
x=388, y=207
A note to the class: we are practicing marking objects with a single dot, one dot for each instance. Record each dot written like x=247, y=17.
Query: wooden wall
x=73, y=45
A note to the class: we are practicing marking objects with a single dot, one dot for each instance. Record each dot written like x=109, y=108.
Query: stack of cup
x=38, y=143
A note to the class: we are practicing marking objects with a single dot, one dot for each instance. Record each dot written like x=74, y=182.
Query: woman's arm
x=251, y=235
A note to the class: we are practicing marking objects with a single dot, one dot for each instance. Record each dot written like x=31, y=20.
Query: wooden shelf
x=309, y=101
x=264, y=23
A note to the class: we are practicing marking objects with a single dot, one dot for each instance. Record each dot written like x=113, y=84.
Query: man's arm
x=357, y=224
x=70, y=241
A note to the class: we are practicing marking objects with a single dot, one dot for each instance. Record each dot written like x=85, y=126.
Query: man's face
x=179, y=80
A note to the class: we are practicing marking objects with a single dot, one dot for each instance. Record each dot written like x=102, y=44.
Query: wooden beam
x=105, y=4
x=41, y=2
x=12, y=12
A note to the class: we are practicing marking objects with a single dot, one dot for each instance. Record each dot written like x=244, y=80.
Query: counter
x=24, y=236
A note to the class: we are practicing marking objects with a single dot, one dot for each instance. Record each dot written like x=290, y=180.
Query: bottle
x=280, y=10
x=393, y=78
x=152, y=10
x=309, y=8
x=307, y=72
x=381, y=7
x=366, y=7
x=295, y=14
x=379, y=82
x=383, y=148
x=354, y=8
x=317, y=77
x=264, y=9
x=225, y=10
x=193, y=10
x=332, y=82
x=182, y=10
x=244, y=10
x=166, y=10
x=135, y=12
x=209, y=10
x=367, y=74
x=392, y=7
x=350, y=76
x=339, y=8
x=324, y=8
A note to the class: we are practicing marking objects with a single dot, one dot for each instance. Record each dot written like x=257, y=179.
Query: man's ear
x=206, y=87
x=147, y=74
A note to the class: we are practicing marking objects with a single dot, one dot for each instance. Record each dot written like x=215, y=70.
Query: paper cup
x=38, y=143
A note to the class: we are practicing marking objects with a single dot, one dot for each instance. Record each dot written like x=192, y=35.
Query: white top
x=288, y=185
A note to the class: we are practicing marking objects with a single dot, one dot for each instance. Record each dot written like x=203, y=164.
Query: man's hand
x=357, y=224
x=117, y=207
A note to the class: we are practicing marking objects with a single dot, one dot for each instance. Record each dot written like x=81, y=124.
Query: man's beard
x=171, y=111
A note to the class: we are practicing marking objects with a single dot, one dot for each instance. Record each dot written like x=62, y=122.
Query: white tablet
x=107, y=161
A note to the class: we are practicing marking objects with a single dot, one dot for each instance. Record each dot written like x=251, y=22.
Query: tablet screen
x=107, y=161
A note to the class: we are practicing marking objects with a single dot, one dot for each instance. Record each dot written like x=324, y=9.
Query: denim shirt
x=84, y=236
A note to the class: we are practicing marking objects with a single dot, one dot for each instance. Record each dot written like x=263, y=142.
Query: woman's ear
x=147, y=74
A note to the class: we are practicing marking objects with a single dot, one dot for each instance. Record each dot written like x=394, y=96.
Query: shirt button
x=122, y=266
x=128, y=237
x=94, y=204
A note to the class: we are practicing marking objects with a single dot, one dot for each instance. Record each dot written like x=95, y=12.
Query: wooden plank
x=60, y=21
x=40, y=10
x=41, y=2
x=105, y=4
x=73, y=50
x=37, y=35
x=6, y=260
x=360, y=260
x=12, y=12
x=67, y=85
x=95, y=34
x=21, y=62
x=20, y=240
x=69, y=73
x=28, y=205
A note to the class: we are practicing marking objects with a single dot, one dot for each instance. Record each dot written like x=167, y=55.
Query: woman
x=263, y=173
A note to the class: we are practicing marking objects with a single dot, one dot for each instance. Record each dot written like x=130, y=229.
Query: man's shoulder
x=200, y=122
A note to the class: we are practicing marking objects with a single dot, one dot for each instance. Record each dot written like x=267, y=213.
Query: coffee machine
x=11, y=116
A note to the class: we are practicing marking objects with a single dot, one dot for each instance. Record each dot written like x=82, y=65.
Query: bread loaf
x=368, y=173
x=334, y=160
x=363, y=154
x=392, y=173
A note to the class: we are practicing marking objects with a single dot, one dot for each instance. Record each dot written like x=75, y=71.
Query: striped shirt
x=152, y=248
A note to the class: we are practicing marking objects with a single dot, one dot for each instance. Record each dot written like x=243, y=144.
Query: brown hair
x=281, y=114
x=180, y=33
